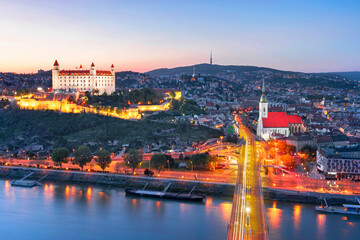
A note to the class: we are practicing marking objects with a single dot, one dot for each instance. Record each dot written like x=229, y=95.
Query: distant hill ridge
x=206, y=68
x=353, y=75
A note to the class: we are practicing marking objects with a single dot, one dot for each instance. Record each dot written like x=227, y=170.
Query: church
x=83, y=80
x=271, y=124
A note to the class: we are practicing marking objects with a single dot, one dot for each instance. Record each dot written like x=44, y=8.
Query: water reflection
x=7, y=185
x=321, y=218
x=297, y=214
x=274, y=216
x=67, y=192
x=226, y=211
x=208, y=202
x=89, y=194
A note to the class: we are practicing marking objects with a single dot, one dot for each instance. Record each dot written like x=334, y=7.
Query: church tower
x=263, y=104
x=210, y=57
x=263, y=111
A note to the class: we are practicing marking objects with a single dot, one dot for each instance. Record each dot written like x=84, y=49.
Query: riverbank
x=307, y=196
x=205, y=188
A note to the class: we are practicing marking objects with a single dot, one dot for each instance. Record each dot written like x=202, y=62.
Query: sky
x=141, y=35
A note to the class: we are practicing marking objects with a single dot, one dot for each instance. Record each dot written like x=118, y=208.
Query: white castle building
x=272, y=124
x=83, y=80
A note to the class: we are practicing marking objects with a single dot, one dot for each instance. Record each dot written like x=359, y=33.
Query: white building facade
x=83, y=80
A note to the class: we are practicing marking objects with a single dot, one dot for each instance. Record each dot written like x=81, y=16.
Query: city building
x=278, y=123
x=300, y=140
x=83, y=80
x=339, y=162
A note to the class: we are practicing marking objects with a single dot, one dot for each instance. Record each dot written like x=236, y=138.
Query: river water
x=59, y=211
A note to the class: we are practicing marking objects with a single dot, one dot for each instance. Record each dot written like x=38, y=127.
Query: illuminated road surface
x=248, y=217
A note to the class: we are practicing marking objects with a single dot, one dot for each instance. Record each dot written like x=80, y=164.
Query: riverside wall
x=307, y=196
x=205, y=188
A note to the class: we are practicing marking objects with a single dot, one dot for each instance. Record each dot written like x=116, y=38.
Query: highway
x=247, y=219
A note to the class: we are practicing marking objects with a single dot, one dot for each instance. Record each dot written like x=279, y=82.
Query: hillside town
x=324, y=109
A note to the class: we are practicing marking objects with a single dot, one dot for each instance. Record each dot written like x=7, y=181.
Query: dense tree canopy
x=125, y=98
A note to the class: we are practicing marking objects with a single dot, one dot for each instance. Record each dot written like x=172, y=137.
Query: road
x=247, y=219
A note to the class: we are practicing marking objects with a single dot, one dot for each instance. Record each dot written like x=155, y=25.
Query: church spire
x=263, y=96
x=211, y=57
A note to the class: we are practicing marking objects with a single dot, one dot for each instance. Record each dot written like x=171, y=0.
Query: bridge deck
x=248, y=217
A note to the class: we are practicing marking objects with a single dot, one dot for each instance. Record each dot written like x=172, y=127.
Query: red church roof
x=56, y=63
x=276, y=120
x=112, y=65
x=92, y=65
x=294, y=119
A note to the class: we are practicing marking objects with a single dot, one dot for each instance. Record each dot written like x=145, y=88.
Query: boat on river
x=352, y=209
x=166, y=195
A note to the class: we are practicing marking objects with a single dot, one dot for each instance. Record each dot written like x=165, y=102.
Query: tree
x=310, y=152
x=170, y=161
x=200, y=160
x=133, y=158
x=172, y=94
x=82, y=156
x=60, y=156
x=288, y=161
x=148, y=172
x=117, y=167
x=158, y=161
x=71, y=99
x=103, y=159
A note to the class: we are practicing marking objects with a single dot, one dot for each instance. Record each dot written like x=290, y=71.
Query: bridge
x=247, y=219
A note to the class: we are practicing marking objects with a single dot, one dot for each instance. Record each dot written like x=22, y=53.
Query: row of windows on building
x=85, y=77
x=86, y=81
x=100, y=85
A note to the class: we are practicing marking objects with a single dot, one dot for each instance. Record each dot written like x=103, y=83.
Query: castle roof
x=83, y=72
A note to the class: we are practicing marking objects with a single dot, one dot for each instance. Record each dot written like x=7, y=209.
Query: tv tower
x=210, y=57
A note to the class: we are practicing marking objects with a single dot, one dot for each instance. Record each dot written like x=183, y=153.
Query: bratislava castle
x=83, y=80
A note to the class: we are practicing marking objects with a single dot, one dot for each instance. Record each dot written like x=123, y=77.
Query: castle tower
x=93, y=82
x=55, y=76
x=112, y=70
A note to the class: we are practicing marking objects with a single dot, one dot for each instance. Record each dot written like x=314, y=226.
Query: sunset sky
x=141, y=35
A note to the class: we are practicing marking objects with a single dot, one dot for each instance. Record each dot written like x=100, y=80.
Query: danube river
x=59, y=211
